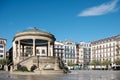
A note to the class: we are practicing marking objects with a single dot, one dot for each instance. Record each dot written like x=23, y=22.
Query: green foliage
x=95, y=62
x=4, y=61
x=21, y=68
x=117, y=61
x=70, y=63
x=106, y=62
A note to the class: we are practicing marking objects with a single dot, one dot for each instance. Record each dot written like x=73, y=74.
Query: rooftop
x=34, y=29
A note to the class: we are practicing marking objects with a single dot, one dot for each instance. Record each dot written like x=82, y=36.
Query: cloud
x=101, y=9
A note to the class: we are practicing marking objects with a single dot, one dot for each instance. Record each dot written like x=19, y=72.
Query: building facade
x=69, y=52
x=84, y=54
x=106, y=49
x=2, y=48
x=59, y=49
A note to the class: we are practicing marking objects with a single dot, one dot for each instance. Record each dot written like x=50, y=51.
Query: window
x=1, y=46
x=55, y=46
x=2, y=42
x=43, y=51
x=37, y=51
x=1, y=51
x=28, y=50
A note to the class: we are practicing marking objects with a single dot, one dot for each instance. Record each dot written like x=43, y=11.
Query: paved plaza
x=75, y=75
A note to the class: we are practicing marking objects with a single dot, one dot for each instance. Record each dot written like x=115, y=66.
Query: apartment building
x=106, y=49
x=2, y=48
x=59, y=49
x=84, y=54
x=69, y=52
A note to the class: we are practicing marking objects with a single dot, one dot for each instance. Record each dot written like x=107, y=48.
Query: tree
x=106, y=63
x=95, y=62
x=4, y=61
x=117, y=61
x=70, y=63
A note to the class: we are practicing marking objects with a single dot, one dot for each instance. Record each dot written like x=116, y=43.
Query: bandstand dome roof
x=34, y=32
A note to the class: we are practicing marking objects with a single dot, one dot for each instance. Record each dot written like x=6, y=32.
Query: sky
x=76, y=20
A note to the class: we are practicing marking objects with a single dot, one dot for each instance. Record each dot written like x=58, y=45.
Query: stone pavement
x=75, y=75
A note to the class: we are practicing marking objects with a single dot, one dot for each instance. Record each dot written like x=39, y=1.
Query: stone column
x=23, y=51
x=33, y=47
x=19, y=50
x=53, y=50
x=14, y=50
x=48, y=49
x=4, y=51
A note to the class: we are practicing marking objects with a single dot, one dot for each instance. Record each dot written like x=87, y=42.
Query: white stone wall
x=71, y=51
x=2, y=48
x=104, y=50
x=40, y=50
x=84, y=54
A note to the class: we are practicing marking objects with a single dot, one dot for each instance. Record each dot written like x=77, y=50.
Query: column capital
x=33, y=39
